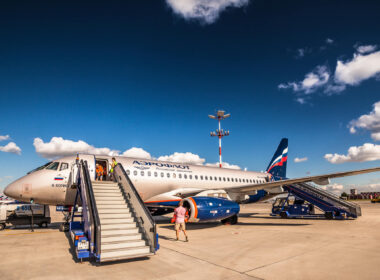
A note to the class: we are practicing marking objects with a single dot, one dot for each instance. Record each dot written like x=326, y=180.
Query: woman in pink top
x=180, y=214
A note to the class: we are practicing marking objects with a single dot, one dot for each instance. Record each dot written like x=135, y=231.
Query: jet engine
x=207, y=209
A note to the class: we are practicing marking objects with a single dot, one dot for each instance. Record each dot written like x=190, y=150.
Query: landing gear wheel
x=64, y=227
x=2, y=226
x=283, y=215
x=43, y=225
x=230, y=221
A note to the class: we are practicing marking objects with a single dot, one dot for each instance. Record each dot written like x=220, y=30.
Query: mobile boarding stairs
x=332, y=205
x=114, y=223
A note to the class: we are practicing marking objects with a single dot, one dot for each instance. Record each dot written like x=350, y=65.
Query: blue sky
x=124, y=74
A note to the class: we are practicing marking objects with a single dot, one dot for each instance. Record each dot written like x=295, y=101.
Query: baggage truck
x=24, y=214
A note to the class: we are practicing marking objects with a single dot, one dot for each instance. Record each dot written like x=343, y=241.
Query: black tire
x=64, y=227
x=283, y=215
x=43, y=225
x=329, y=215
x=230, y=221
x=2, y=226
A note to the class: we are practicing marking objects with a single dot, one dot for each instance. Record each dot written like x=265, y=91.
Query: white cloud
x=335, y=188
x=369, y=122
x=367, y=152
x=297, y=160
x=366, y=49
x=312, y=81
x=224, y=165
x=4, y=137
x=329, y=41
x=364, y=65
x=205, y=11
x=11, y=147
x=61, y=147
x=360, y=68
x=137, y=153
x=184, y=158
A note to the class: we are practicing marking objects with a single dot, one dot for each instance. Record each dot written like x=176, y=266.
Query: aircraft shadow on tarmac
x=35, y=227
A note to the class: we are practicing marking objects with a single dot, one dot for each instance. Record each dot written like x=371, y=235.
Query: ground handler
x=113, y=165
x=180, y=214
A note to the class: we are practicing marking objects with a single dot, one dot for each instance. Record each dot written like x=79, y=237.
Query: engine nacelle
x=322, y=181
x=206, y=209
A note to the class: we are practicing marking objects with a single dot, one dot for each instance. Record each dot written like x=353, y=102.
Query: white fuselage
x=154, y=180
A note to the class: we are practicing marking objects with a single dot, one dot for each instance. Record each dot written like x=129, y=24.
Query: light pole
x=220, y=115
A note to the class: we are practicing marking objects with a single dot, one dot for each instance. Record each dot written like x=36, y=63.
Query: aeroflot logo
x=159, y=164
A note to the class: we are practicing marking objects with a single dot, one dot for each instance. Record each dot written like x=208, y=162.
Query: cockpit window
x=39, y=168
x=53, y=166
x=64, y=166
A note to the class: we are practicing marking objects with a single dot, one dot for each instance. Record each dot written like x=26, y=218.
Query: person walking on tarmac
x=180, y=214
x=113, y=165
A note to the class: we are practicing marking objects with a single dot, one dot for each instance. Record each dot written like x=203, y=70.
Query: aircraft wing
x=321, y=179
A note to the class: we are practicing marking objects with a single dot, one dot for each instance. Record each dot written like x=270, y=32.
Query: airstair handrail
x=90, y=197
x=143, y=216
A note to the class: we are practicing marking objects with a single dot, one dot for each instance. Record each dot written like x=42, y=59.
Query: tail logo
x=280, y=160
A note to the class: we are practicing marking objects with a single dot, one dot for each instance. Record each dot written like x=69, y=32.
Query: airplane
x=162, y=185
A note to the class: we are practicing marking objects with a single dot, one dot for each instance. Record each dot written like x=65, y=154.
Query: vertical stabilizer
x=277, y=166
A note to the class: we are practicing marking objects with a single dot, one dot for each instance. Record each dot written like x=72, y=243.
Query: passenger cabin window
x=190, y=177
x=211, y=178
x=180, y=176
x=64, y=166
x=128, y=172
x=201, y=177
x=224, y=178
x=168, y=175
x=162, y=174
x=135, y=172
x=216, y=178
x=228, y=179
x=196, y=177
x=155, y=174
x=220, y=178
x=185, y=176
x=53, y=166
x=142, y=173
x=206, y=178
x=149, y=173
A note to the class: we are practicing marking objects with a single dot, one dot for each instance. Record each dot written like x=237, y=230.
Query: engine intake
x=207, y=209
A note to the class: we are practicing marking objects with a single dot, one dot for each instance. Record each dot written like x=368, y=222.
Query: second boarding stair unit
x=332, y=205
x=114, y=223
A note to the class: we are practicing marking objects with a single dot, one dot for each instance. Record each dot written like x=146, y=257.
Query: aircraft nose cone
x=13, y=190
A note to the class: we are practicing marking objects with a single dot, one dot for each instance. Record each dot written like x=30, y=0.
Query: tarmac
x=258, y=247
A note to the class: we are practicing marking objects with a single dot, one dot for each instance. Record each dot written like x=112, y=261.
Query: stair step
x=104, y=182
x=109, y=221
x=113, y=211
x=111, y=202
x=125, y=254
x=113, y=206
x=123, y=245
x=107, y=194
x=121, y=238
x=114, y=216
x=110, y=187
x=108, y=190
x=106, y=198
x=118, y=226
x=118, y=232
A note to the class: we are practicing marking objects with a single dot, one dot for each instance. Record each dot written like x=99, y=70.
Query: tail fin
x=277, y=166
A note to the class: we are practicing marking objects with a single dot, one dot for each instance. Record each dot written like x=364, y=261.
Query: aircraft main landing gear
x=230, y=221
